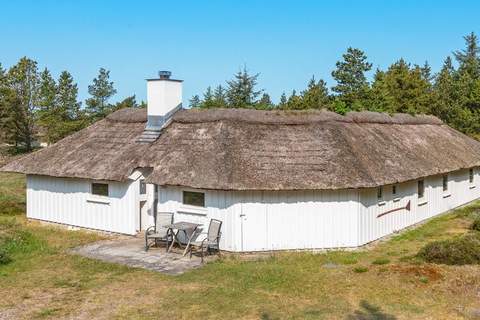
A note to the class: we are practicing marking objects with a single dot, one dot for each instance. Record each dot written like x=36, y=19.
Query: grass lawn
x=384, y=281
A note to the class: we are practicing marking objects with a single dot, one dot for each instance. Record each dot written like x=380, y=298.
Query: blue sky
x=205, y=42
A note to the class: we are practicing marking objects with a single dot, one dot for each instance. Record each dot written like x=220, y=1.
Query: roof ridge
x=292, y=117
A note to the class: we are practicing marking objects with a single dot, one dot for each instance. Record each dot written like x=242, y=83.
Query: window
x=445, y=182
x=100, y=189
x=394, y=190
x=379, y=193
x=143, y=186
x=194, y=198
x=421, y=189
x=470, y=175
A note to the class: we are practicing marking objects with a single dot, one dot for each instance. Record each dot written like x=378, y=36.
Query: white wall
x=69, y=201
x=435, y=201
x=279, y=220
x=272, y=220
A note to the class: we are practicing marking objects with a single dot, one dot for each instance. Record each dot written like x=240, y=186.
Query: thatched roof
x=240, y=149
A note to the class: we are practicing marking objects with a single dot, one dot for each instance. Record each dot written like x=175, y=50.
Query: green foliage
x=241, y=91
x=352, y=84
x=458, y=251
x=4, y=257
x=381, y=261
x=101, y=90
x=60, y=113
x=476, y=223
x=18, y=104
x=128, y=102
x=453, y=95
x=360, y=269
x=402, y=89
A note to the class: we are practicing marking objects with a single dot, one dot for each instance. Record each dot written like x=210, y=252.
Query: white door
x=253, y=217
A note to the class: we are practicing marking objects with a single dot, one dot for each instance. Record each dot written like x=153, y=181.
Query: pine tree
x=195, y=102
x=265, y=103
x=402, y=89
x=21, y=104
x=47, y=114
x=220, y=97
x=3, y=76
x=282, y=104
x=446, y=105
x=316, y=95
x=294, y=102
x=352, y=83
x=71, y=116
x=128, y=102
x=208, y=99
x=101, y=91
x=241, y=92
x=469, y=58
x=426, y=72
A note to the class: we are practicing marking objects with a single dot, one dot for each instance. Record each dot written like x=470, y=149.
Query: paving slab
x=130, y=251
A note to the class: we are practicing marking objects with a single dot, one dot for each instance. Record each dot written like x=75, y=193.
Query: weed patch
x=458, y=251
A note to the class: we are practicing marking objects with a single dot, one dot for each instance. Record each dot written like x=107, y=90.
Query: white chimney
x=164, y=97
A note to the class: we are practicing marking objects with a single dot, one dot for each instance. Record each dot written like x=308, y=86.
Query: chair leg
x=146, y=243
x=202, y=254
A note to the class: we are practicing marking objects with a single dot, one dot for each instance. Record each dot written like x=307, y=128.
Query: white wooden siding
x=69, y=201
x=435, y=201
x=280, y=220
x=273, y=220
x=256, y=220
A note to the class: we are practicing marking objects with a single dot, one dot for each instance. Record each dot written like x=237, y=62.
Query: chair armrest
x=150, y=230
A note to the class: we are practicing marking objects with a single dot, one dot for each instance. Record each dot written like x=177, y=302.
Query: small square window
x=194, y=198
x=394, y=190
x=421, y=189
x=379, y=193
x=143, y=187
x=100, y=189
x=445, y=182
x=470, y=175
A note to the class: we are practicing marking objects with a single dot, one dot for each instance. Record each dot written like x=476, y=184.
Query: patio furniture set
x=184, y=234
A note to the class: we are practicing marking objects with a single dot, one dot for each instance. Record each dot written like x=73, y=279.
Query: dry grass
x=45, y=282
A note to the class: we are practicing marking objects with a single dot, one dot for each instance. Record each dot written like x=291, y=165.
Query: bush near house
x=476, y=224
x=458, y=251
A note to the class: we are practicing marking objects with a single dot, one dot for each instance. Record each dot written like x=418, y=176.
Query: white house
x=278, y=180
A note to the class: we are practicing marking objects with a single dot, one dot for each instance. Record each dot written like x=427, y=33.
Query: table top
x=182, y=225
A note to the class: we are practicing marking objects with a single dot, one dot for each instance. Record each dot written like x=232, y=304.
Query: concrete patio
x=130, y=251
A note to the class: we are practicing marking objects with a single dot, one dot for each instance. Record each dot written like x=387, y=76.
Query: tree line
x=452, y=94
x=34, y=106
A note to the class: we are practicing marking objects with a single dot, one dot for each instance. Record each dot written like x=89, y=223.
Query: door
x=253, y=217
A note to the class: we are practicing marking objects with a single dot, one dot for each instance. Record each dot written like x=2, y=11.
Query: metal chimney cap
x=164, y=74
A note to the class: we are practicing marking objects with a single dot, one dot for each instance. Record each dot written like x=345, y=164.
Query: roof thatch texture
x=105, y=150
x=240, y=149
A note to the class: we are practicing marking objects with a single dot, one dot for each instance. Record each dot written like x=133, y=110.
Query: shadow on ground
x=369, y=311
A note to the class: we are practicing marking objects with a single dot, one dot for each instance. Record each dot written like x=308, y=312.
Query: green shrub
x=360, y=269
x=381, y=261
x=457, y=251
x=476, y=224
x=4, y=257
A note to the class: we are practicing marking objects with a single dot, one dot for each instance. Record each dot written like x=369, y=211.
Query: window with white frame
x=100, y=189
x=192, y=198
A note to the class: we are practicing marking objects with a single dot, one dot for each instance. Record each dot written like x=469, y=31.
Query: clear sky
x=205, y=42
